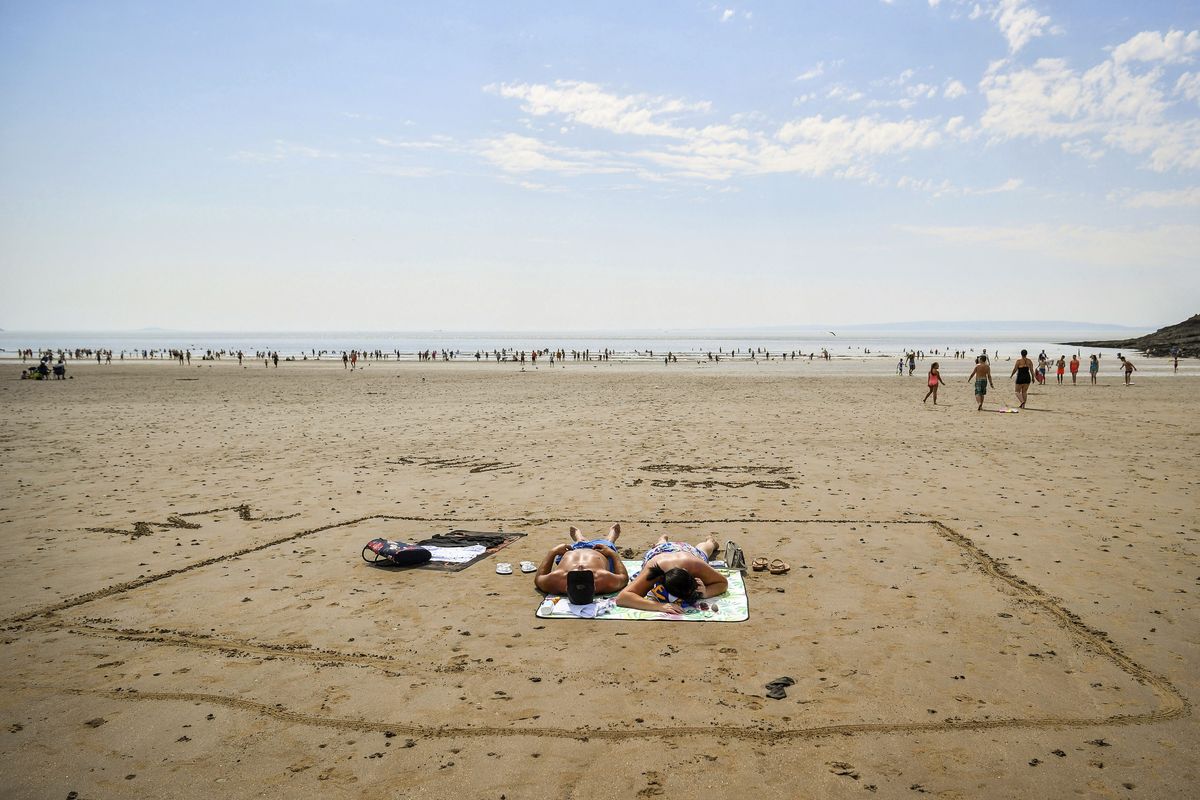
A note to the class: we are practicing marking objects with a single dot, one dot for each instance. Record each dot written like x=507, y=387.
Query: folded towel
x=455, y=555
x=589, y=611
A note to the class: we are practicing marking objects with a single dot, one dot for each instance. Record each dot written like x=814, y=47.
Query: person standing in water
x=935, y=378
x=1023, y=369
x=982, y=375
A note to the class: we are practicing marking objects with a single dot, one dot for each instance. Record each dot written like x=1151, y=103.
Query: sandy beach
x=979, y=604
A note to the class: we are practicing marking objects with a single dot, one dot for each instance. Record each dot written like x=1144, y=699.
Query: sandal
x=528, y=566
x=503, y=568
x=779, y=567
x=758, y=564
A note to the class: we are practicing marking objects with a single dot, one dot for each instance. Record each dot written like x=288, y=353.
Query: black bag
x=399, y=554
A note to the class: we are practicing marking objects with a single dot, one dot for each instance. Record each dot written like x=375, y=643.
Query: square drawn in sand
x=886, y=626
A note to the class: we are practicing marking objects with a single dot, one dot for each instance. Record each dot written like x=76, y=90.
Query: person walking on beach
x=1129, y=368
x=1074, y=367
x=674, y=573
x=935, y=378
x=1023, y=369
x=982, y=375
x=1094, y=368
x=1061, y=368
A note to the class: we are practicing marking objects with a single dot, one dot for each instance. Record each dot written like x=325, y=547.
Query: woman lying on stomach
x=674, y=573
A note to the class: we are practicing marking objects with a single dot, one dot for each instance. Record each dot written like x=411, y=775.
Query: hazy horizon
x=896, y=326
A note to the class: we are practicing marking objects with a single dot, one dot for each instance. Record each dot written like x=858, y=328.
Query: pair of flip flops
x=775, y=566
x=504, y=568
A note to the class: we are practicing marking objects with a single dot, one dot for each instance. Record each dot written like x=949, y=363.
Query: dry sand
x=980, y=605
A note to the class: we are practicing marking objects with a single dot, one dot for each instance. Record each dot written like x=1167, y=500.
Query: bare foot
x=614, y=532
x=576, y=534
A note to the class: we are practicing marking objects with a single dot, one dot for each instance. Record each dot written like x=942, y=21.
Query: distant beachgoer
x=674, y=573
x=899, y=366
x=1023, y=369
x=935, y=378
x=1061, y=368
x=1177, y=363
x=1074, y=368
x=596, y=556
x=912, y=362
x=275, y=358
x=1129, y=368
x=1094, y=367
x=982, y=375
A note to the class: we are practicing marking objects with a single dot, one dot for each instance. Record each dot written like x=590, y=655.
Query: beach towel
x=733, y=606
x=472, y=547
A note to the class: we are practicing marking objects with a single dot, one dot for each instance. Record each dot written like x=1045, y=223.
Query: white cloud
x=840, y=146
x=1173, y=48
x=515, y=153
x=1010, y=185
x=1164, y=199
x=1113, y=247
x=953, y=90
x=588, y=104
x=727, y=15
x=1188, y=86
x=1018, y=21
x=934, y=3
x=1109, y=102
x=815, y=72
x=1083, y=148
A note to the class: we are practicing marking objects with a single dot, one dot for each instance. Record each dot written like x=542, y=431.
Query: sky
x=333, y=165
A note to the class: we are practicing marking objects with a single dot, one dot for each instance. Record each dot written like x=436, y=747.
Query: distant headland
x=1183, y=339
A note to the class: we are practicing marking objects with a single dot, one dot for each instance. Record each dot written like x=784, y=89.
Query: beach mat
x=734, y=605
x=445, y=566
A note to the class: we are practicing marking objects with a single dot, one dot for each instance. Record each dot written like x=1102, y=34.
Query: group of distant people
x=1025, y=372
x=45, y=369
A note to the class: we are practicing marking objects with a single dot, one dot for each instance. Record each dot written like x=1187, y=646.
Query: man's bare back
x=601, y=558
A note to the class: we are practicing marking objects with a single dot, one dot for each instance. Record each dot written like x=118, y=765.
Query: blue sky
x=470, y=166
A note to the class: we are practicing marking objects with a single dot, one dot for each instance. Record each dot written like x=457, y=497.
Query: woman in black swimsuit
x=1023, y=369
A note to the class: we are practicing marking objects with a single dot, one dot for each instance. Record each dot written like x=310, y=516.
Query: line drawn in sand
x=141, y=529
x=1171, y=703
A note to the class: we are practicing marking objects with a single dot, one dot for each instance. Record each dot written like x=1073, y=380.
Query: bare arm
x=615, y=558
x=715, y=583
x=634, y=596
x=547, y=565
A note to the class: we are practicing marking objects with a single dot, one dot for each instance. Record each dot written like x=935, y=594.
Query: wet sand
x=979, y=605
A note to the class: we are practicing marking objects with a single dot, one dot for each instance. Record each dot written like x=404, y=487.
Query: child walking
x=935, y=378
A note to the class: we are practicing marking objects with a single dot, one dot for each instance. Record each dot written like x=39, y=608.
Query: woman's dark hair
x=678, y=581
x=1024, y=353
